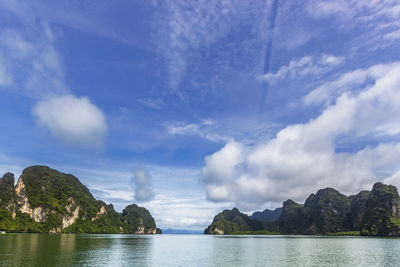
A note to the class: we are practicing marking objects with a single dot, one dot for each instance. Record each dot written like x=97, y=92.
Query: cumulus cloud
x=30, y=64
x=303, y=157
x=141, y=181
x=71, y=119
x=308, y=65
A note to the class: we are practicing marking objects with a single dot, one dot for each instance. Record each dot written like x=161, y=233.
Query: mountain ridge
x=373, y=213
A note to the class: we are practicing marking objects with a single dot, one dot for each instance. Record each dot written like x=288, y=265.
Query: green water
x=195, y=250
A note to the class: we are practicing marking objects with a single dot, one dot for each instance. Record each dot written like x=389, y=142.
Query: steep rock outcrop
x=99, y=213
x=138, y=220
x=267, y=215
x=357, y=206
x=231, y=221
x=48, y=201
x=7, y=194
x=382, y=212
x=375, y=213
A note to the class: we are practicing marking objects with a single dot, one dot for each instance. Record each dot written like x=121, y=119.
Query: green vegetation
x=328, y=212
x=51, y=189
x=135, y=217
x=109, y=223
x=55, y=202
x=382, y=212
x=6, y=190
x=233, y=221
x=267, y=215
x=22, y=223
x=357, y=205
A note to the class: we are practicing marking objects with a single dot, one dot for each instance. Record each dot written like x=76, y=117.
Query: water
x=195, y=250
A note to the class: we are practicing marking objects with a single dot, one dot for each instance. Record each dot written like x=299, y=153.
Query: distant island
x=45, y=200
x=328, y=212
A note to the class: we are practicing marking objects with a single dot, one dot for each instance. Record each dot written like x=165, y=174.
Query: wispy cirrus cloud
x=352, y=81
x=189, y=28
x=180, y=32
x=156, y=103
x=380, y=18
x=308, y=65
x=204, y=129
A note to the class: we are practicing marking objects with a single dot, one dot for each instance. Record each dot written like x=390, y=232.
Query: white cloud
x=208, y=122
x=308, y=65
x=205, y=129
x=171, y=206
x=156, y=103
x=29, y=53
x=16, y=45
x=142, y=182
x=27, y=49
x=188, y=27
x=393, y=179
x=220, y=166
x=107, y=193
x=303, y=158
x=183, y=129
x=352, y=81
x=379, y=18
x=73, y=120
x=190, y=211
x=394, y=35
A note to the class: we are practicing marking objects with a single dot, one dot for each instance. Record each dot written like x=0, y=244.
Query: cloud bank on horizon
x=212, y=103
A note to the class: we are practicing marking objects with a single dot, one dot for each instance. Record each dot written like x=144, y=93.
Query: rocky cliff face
x=38, y=214
x=45, y=200
x=138, y=220
x=231, y=221
x=6, y=191
x=327, y=211
x=382, y=212
x=374, y=213
x=101, y=212
x=267, y=215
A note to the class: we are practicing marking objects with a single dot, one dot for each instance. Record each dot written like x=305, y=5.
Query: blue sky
x=189, y=107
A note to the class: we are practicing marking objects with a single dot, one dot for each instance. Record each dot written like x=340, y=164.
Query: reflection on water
x=70, y=249
x=195, y=250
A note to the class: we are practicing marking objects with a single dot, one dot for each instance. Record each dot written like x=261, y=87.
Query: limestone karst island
x=44, y=200
x=48, y=201
x=205, y=133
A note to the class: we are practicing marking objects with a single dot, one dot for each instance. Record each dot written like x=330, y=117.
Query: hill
x=45, y=200
x=375, y=213
x=267, y=215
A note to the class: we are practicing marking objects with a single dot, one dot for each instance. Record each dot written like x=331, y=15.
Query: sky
x=191, y=107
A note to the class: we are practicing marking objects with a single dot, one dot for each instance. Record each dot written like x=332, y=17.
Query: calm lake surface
x=195, y=250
